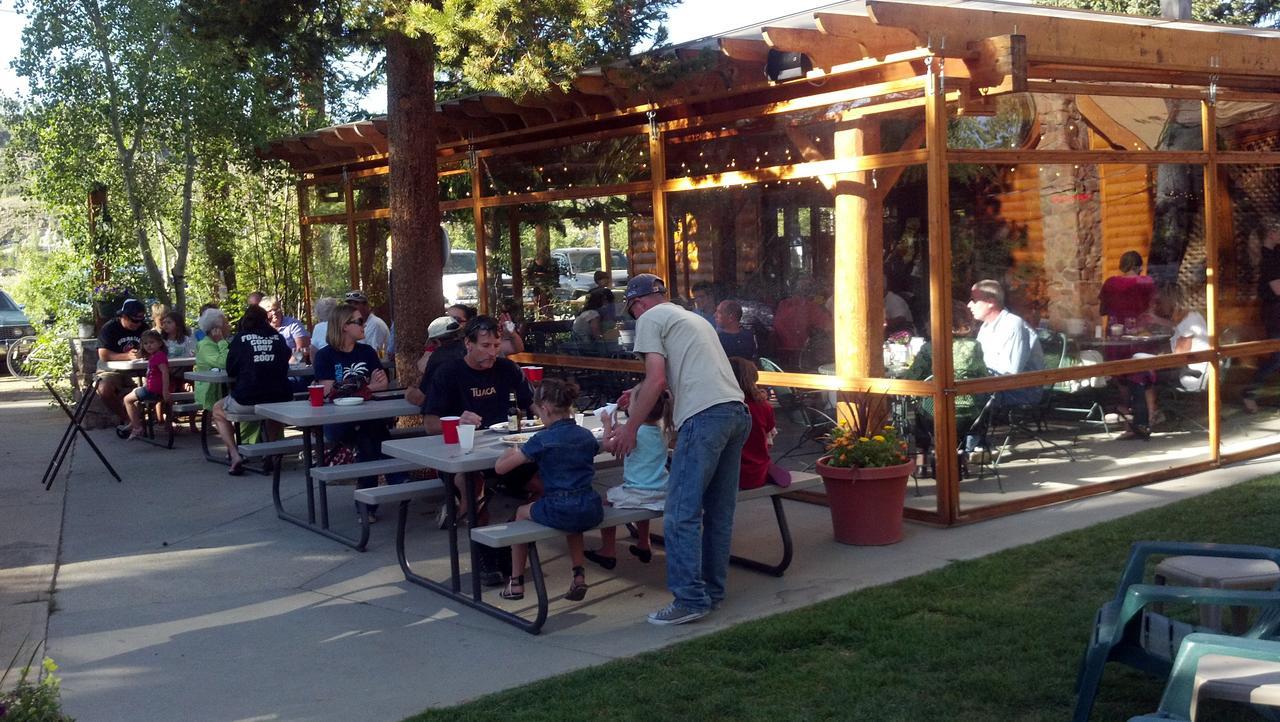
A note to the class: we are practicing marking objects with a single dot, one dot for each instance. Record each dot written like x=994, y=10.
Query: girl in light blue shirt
x=644, y=480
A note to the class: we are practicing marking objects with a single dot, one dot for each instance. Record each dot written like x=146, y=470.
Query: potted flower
x=865, y=472
x=107, y=300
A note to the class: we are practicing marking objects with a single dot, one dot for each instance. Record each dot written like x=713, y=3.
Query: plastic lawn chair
x=1221, y=666
x=1126, y=631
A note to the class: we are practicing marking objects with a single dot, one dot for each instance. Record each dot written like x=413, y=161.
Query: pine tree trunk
x=416, y=257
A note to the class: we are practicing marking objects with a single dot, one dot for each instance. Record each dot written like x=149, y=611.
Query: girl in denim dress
x=565, y=455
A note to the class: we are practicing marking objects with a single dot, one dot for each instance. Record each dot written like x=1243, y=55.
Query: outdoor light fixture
x=786, y=66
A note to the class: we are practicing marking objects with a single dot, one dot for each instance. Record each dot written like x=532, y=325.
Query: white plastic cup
x=580, y=419
x=467, y=437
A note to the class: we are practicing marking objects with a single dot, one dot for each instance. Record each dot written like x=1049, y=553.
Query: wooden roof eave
x=1137, y=43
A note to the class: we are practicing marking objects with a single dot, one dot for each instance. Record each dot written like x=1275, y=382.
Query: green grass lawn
x=998, y=638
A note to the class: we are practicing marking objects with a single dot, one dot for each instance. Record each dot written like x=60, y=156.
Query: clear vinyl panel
x=1070, y=265
x=1057, y=439
x=1063, y=121
x=1249, y=302
x=548, y=264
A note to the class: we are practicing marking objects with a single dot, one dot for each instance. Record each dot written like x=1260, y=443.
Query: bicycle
x=22, y=358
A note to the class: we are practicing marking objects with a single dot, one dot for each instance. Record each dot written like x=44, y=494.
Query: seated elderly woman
x=346, y=366
x=967, y=361
x=258, y=360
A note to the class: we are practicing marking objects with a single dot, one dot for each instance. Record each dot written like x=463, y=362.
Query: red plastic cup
x=315, y=394
x=449, y=428
x=533, y=373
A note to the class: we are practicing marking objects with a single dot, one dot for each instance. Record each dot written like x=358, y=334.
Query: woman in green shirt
x=211, y=353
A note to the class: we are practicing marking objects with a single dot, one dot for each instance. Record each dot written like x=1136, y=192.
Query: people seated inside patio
x=798, y=320
x=1126, y=301
x=966, y=359
x=737, y=340
x=587, y=326
x=1009, y=346
x=705, y=300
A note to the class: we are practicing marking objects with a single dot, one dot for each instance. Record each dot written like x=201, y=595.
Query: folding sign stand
x=69, y=436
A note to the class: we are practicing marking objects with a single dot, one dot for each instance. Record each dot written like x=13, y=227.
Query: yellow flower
x=888, y=428
x=878, y=437
x=863, y=438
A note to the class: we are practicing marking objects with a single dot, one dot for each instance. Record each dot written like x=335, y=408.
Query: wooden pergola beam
x=1138, y=44
x=529, y=116
x=826, y=51
x=744, y=50
x=875, y=41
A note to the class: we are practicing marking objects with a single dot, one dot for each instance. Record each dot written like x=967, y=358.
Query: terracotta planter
x=866, y=504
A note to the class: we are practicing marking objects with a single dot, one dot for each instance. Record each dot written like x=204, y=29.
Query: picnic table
x=311, y=420
x=430, y=452
x=139, y=365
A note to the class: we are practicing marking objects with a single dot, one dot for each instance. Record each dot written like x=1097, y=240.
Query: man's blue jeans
x=701, y=496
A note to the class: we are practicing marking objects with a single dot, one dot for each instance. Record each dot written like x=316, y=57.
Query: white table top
x=432, y=453
x=220, y=376
x=302, y=413
x=140, y=364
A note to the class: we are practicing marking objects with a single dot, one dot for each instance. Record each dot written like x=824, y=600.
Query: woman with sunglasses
x=352, y=365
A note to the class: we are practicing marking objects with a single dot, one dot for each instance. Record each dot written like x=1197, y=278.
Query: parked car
x=459, y=271
x=13, y=323
x=578, y=268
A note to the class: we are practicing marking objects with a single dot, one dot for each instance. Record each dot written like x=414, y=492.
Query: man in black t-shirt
x=120, y=340
x=476, y=387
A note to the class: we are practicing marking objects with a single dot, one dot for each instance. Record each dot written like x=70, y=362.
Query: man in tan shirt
x=682, y=352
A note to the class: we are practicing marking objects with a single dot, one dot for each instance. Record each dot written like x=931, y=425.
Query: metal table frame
x=313, y=451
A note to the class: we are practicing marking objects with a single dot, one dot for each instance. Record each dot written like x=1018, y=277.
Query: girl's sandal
x=514, y=590
x=602, y=560
x=578, y=590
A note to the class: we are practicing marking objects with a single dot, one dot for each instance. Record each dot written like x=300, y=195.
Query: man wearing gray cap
x=682, y=352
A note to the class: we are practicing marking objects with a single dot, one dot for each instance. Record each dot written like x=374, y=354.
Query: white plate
x=525, y=425
x=515, y=439
x=348, y=401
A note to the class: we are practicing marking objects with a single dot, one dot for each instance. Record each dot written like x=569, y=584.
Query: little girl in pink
x=156, y=387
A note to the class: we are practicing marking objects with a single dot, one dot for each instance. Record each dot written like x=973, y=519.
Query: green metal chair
x=804, y=408
x=1126, y=631
x=1241, y=670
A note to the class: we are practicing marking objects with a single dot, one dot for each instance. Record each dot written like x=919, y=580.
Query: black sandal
x=602, y=560
x=510, y=592
x=578, y=590
x=237, y=469
x=644, y=555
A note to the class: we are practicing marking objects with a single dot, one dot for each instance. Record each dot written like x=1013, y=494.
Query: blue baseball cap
x=643, y=285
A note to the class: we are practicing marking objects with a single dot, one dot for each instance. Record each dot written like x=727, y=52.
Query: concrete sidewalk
x=32, y=526
x=181, y=596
